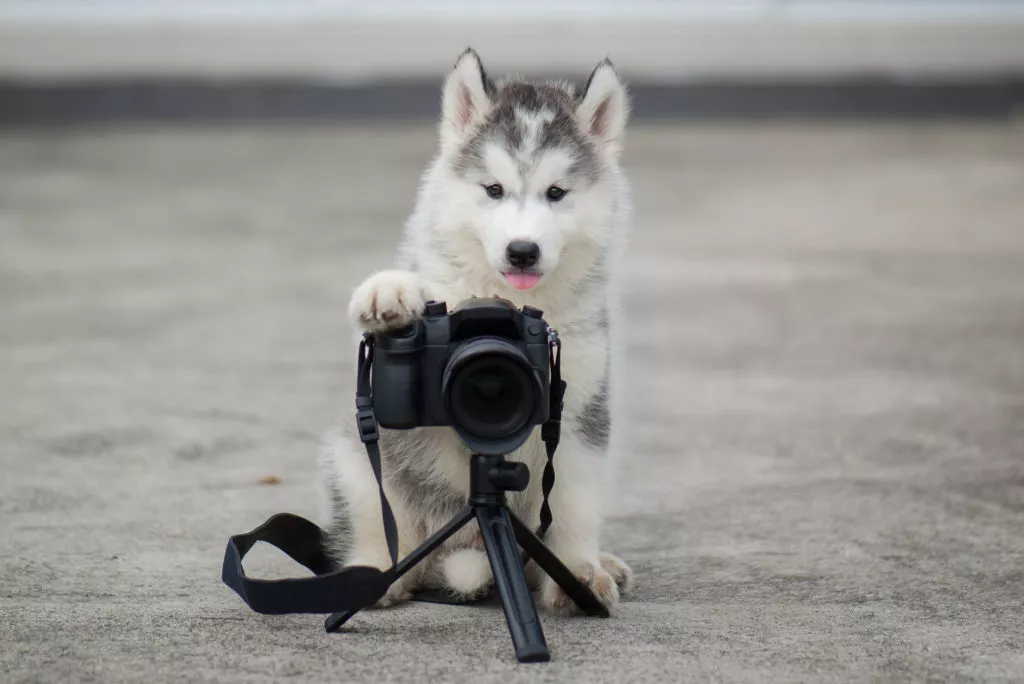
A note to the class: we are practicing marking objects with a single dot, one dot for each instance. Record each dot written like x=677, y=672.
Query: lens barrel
x=490, y=394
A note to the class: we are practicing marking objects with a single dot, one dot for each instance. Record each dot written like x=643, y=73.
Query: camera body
x=483, y=369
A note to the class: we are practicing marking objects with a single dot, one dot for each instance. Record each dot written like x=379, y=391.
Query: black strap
x=369, y=435
x=350, y=587
x=330, y=590
x=551, y=430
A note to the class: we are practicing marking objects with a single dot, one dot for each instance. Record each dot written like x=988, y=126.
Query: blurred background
x=825, y=322
x=344, y=58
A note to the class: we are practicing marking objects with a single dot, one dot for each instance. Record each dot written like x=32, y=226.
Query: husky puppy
x=525, y=199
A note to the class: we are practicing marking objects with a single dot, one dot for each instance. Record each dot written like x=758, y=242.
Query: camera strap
x=551, y=430
x=330, y=590
x=352, y=588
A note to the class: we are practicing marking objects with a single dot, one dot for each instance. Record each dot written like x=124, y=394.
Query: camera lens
x=490, y=394
x=489, y=397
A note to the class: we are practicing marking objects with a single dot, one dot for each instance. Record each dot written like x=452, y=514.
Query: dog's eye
x=495, y=191
x=555, y=193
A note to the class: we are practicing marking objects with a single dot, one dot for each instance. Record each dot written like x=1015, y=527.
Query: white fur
x=453, y=216
x=467, y=572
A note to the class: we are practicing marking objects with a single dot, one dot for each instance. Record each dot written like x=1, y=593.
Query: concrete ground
x=827, y=401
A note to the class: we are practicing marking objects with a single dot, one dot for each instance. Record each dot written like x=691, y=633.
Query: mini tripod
x=490, y=477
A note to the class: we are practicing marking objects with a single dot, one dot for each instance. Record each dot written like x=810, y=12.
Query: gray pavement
x=827, y=403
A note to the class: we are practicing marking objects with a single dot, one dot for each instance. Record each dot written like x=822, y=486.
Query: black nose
x=523, y=254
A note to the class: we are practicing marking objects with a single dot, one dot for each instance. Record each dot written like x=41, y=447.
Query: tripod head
x=510, y=477
x=491, y=476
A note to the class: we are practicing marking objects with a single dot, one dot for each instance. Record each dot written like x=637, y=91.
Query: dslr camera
x=482, y=369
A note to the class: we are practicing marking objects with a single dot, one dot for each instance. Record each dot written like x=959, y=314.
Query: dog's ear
x=467, y=97
x=604, y=107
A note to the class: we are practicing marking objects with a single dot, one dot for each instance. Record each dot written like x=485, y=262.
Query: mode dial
x=532, y=312
x=436, y=308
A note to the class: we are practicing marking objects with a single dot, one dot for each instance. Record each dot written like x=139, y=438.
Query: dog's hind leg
x=355, y=527
x=467, y=573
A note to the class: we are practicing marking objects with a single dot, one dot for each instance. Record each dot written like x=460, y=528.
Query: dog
x=524, y=199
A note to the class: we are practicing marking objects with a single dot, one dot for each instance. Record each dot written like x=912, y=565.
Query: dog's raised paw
x=387, y=300
x=600, y=581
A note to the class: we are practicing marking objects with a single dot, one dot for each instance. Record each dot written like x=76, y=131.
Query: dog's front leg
x=386, y=300
x=574, y=535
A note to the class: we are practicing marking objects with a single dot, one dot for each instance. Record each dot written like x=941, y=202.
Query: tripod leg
x=335, y=621
x=520, y=613
x=549, y=563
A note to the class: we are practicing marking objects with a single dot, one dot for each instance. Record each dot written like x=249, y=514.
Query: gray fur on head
x=475, y=108
x=545, y=110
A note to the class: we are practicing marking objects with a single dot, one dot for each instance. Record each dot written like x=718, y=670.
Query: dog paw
x=620, y=572
x=396, y=593
x=387, y=300
x=467, y=573
x=594, y=575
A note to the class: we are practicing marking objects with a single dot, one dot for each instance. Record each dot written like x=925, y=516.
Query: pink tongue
x=522, y=281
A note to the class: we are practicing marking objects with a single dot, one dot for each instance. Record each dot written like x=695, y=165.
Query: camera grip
x=396, y=388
